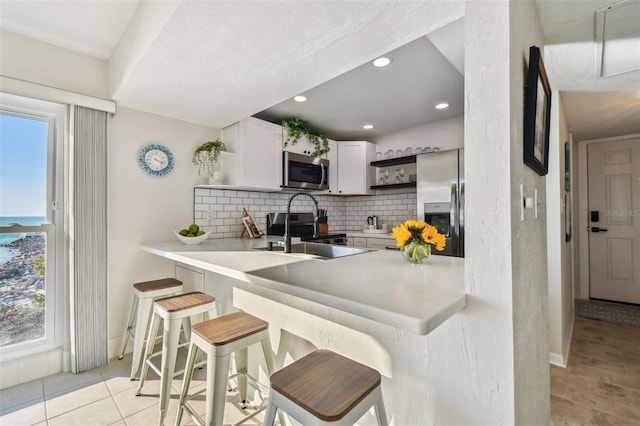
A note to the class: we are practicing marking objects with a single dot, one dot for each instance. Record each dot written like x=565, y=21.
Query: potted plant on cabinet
x=206, y=156
x=294, y=129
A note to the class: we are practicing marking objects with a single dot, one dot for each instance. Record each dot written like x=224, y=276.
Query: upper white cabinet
x=332, y=156
x=302, y=146
x=355, y=177
x=258, y=160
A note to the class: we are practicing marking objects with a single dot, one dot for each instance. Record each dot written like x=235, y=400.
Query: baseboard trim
x=557, y=359
x=561, y=360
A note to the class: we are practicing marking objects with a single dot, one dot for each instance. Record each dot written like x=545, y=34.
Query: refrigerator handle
x=461, y=222
x=453, y=222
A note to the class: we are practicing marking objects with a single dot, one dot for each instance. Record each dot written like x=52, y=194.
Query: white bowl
x=190, y=241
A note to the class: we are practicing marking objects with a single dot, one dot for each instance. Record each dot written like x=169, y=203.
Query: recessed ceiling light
x=300, y=98
x=381, y=62
x=368, y=126
x=443, y=105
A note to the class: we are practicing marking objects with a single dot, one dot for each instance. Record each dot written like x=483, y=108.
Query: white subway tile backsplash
x=221, y=210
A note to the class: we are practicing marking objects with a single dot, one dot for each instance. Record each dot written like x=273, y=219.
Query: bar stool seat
x=324, y=388
x=173, y=311
x=142, y=297
x=218, y=339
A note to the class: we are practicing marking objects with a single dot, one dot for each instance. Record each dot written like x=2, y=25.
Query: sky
x=23, y=166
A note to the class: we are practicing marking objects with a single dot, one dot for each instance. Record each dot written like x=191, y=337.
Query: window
x=31, y=225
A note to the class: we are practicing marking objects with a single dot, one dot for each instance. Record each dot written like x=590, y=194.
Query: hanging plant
x=206, y=155
x=294, y=129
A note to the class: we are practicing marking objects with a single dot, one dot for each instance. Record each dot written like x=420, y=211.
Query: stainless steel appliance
x=304, y=172
x=440, y=194
x=301, y=226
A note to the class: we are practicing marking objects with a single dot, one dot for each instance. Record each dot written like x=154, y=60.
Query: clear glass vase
x=416, y=252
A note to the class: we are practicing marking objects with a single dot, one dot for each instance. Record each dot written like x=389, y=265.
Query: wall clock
x=155, y=160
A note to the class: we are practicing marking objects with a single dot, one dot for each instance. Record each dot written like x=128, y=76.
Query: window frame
x=56, y=315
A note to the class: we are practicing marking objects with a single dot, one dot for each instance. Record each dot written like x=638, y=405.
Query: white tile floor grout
x=102, y=396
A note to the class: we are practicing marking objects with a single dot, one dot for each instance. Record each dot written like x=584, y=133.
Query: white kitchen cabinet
x=192, y=278
x=380, y=243
x=359, y=242
x=332, y=156
x=258, y=160
x=355, y=177
x=302, y=146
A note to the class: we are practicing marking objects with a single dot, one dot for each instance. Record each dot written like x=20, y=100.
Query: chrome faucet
x=287, y=222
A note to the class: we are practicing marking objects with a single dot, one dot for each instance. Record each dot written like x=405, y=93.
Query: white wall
x=505, y=322
x=529, y=245
x=143, y=208
x=559, y=258
x=31, y=60
x=445, y=134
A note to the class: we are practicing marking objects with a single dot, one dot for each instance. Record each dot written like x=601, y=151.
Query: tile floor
x=102, y=396
x=601, y=384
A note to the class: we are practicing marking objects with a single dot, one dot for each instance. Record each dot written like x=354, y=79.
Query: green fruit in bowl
x=193, y=229
x=199, y=233
x=183, y=232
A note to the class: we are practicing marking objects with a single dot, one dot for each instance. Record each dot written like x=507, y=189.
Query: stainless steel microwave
x=304, y=172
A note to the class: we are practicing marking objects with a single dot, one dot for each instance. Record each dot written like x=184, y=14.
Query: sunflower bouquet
x=415, y=238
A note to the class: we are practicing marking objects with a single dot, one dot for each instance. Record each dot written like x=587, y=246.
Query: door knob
x=596, y=229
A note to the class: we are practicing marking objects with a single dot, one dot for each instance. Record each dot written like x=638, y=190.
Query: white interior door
x=614, y=235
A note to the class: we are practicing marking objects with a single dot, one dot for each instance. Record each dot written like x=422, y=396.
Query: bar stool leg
x=170, y=340
x=142, y=320
x=127, y=331
x=270, y=414
x=241, y=368
x=271, y=368
x=218, y=374
x=186, y=381
x=381, y=414
x=153, y=331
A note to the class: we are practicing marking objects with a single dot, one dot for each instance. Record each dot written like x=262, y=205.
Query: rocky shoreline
x=22, y=291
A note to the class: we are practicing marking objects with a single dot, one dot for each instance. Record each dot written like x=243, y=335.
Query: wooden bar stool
x=173, y=311
x=324, y=388
x=144, y=293
x=218, y=339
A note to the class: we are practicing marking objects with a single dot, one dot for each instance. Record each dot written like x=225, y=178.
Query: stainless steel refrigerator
x=440, y=194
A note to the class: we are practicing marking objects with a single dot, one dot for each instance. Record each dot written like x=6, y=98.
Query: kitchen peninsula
x=373, y=307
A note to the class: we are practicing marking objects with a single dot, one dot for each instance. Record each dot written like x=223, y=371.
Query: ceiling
x=214, y=62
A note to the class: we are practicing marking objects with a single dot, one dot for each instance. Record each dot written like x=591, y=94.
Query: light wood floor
x=601, y=384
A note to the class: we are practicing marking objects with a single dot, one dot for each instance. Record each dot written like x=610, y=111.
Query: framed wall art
x=537, y=112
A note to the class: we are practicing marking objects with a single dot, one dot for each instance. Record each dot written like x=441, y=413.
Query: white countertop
x=379, y=285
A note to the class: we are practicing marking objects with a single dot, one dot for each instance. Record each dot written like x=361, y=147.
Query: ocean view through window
x=25, y=226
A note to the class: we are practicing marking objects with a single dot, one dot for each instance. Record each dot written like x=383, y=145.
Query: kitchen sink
x=322, y=251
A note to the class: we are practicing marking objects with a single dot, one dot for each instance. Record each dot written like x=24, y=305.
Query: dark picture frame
x=567, y=166
x=537, y=114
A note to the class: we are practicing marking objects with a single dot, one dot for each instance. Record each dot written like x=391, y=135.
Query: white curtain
x=88, y=239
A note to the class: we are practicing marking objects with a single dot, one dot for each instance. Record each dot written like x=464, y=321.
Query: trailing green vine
x=294, y=129
x=206, y=155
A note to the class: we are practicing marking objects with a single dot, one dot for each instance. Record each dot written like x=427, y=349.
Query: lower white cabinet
x=378, y=243
x=359, y=242
x=192, y=278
